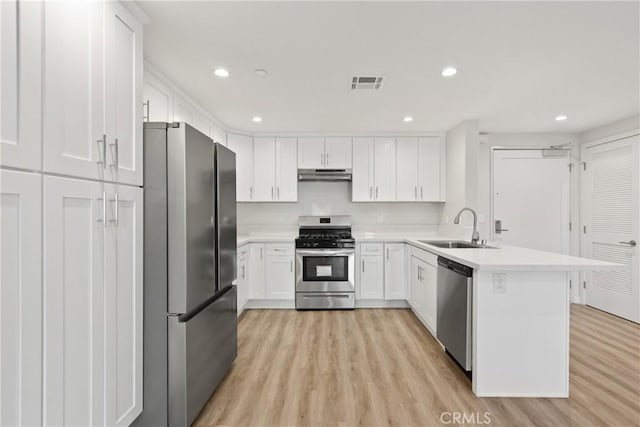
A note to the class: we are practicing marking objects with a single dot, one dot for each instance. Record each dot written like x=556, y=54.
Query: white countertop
x=504, y=258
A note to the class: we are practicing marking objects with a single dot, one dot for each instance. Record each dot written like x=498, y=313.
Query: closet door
x=264, y=169
x=123, y=91
x=123, y=294
x=20, y=84
x=73, y=133
x=20, y=299
x=74, y=302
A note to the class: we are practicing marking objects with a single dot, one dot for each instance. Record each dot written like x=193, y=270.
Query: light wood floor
x=374, y=367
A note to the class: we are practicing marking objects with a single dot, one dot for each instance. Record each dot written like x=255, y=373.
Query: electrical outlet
x=499, y=283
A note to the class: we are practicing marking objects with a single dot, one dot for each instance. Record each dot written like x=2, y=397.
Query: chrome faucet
x=475, y=237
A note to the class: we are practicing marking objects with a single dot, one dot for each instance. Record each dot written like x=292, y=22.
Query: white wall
x=334, y=198
x=611, y=129
x=462, y=177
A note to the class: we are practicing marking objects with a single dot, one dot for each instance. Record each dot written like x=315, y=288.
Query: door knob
x=631, y=243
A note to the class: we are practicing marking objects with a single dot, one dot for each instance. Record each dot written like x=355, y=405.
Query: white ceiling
x=520, y=63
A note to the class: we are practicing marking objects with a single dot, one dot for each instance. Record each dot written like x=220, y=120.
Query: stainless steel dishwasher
x=454, y=309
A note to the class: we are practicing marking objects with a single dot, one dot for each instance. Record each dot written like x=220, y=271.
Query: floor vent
x=366, y=83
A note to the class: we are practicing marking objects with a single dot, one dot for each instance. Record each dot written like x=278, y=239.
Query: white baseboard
x=381, y=303
x=269, y=304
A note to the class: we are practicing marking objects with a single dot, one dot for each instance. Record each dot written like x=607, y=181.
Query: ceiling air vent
x=366, y=82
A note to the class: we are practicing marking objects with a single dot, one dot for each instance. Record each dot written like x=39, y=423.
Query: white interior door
x=610, y=194
x=531, y=199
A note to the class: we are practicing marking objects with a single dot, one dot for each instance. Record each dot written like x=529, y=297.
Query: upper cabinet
x=420, y=169
x=374, y=169
x=92, y=111
x=275, y=173
x=324, y=153
x=20, y=84
x=242, y=145
x=158, y=100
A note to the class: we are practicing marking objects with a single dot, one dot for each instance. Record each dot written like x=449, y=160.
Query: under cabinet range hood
x=324, y=174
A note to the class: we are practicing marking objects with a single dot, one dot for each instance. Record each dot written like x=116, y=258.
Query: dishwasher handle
x=455, y=266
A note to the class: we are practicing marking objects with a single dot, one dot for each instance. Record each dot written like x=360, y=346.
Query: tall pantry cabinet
x=71, y=213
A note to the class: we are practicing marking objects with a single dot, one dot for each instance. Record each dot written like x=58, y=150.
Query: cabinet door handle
x=387, y=253
x=370, y=193
x=363, y=266
x=631, y=243
x=117, y=153
x=271, y=193
x=115, y=218
x=421, y=197
x=260, y=253
x=327, y=156
x=104, y=209
x=251, y=192
x=291, y=263
x=103, y=160
x=278, y=192
x=243, y=271
x=145, y=118
x=322, y=159
x=415, y=192
x=376, y=192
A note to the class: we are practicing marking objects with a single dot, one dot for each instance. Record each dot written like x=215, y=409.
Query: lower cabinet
x=92, y=317
x=256, y=271
x=371, y=277
x=20, y=298
x=395, y=280
x=279, y=272
x=423, y=296
x=244, y=278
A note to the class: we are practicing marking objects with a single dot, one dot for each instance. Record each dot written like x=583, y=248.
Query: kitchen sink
x=454, y=244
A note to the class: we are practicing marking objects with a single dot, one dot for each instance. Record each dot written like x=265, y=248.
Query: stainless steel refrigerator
x=190, y=328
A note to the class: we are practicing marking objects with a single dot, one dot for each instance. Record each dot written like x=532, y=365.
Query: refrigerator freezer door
x=225, y=166
x=201, y=352
x=191, y=219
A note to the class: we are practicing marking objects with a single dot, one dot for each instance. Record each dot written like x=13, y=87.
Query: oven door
x=325, y=270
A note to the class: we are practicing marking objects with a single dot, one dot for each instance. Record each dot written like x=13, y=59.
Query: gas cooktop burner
x=325, y=232
x=326, y=236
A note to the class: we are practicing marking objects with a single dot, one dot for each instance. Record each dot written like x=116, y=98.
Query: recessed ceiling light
x=221, y=72
x=407, y=119
x=561, y=118
x=261, y=73
x=449, y=71
x=257, y=119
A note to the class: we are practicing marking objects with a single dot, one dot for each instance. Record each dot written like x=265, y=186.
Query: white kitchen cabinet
x=279, y=271
x=385, y=169
x=123, y=94
x=20, y=298
x=374, y=169
x=157, y=100
x=202, y=123
x=92, y=302
x=423, y=285
x=275, y=173
x=407, y=169
x=431, y=169
x=124, y=303
x=257, y=255
x=338, y=153
x=286, y=170
x=395, y=282
x=324, y=153
x=244, y=278
x=92, y=112
x=20, y=84
x=362, y=182
x=420, y=169
x=242, y=145
x=74, y=302
x=371, y=277
x=264, y=172
x=219, y=135
x=311, y=153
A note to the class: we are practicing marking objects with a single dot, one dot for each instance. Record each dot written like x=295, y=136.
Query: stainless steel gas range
x=325, y=263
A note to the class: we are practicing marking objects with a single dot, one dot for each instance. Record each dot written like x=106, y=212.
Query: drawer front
x=280, y=249
x=371, y=248
x=325, y=301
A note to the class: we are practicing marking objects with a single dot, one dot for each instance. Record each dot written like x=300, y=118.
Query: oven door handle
x=325, y=252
